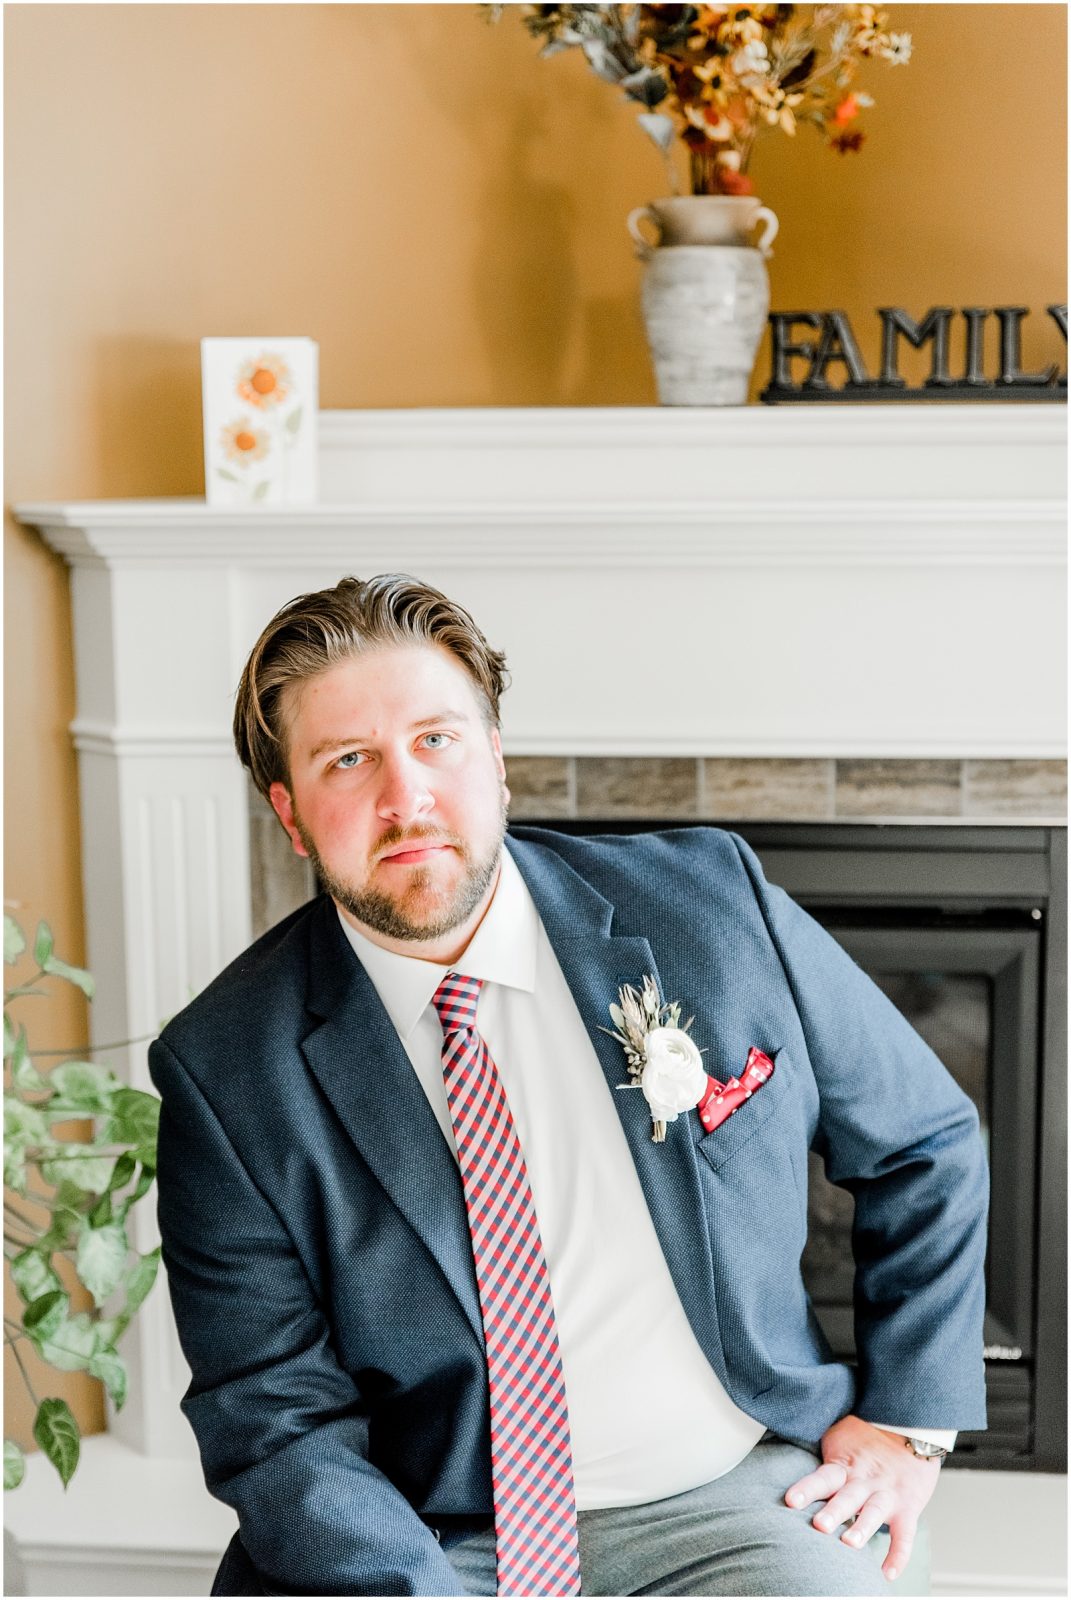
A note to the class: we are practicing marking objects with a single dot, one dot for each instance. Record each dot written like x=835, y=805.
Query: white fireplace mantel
x=836, y=581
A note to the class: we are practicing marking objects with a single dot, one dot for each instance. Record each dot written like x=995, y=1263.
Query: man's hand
x=872, y=1476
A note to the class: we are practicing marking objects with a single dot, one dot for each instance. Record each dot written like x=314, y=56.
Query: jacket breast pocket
x=752, y=1117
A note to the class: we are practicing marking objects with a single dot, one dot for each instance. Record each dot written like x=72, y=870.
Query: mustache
x=395, y=838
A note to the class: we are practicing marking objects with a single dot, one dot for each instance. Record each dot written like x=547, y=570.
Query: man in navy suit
x=315, y=1203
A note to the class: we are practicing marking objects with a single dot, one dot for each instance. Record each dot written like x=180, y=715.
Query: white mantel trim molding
x=562, y=535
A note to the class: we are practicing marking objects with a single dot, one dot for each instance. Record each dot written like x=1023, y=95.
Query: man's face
x=397, y=792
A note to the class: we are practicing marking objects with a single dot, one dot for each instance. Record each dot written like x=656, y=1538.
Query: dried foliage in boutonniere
x=661, y=1059
x=716, y=77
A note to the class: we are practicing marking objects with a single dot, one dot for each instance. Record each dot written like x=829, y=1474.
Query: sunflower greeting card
x=260, y=402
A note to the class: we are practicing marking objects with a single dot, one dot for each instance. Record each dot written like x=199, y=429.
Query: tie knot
x=456, y=1000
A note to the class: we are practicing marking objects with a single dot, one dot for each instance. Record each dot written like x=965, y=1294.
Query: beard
x=403, y=916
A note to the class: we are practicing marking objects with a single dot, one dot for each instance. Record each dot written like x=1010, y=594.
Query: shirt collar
x=502, y=950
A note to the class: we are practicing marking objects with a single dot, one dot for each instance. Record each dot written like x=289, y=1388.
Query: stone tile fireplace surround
x=686, y=790
x=822, y=615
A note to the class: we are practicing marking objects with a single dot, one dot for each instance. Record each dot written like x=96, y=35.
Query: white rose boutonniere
x=674, y=1079
x=661, y=1059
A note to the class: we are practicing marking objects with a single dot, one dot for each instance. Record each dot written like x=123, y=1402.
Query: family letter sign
x=834, y=346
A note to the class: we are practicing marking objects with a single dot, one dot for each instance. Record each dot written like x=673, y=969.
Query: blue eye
x=349, y=760
x=444, y=736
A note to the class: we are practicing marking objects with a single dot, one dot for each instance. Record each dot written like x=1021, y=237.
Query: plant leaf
x=24, y=1074
x=261, y=490
x=14, y=945
x=101, y=1258
x=77, y=975
x=57, y=1433
x=69, y=1195
x=646, y=85
x=120, y=1206
x=14, y=1464
x=33, y=1275
x=146, y=1154
x=81, y=1169
x=68, y=1219
x=73, y=1345
x=110, y=1368
x=140, y=1281
x=66, y=1226
x=9, y=1036
x=23, y=1124
x=108, y=1331
x=293, y=421
x=42, y=945
x=134, y=1120
x=83, y=1086
x=602, y=60
x=45, y=1314
x=144, y=1183
x=122, y=1172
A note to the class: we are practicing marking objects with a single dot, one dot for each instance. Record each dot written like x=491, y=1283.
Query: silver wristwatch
x=925, y=1450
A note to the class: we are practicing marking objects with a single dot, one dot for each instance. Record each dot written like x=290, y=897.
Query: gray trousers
x=734, y=1536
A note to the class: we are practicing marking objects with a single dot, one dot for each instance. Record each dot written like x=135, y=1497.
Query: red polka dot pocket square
x=722, y=1099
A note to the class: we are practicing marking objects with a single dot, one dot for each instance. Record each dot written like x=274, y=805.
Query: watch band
x=924, y=1449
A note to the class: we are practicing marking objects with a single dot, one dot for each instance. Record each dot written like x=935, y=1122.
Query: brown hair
x=316, y=631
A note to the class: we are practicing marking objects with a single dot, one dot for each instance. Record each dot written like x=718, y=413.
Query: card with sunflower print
x=260, y=402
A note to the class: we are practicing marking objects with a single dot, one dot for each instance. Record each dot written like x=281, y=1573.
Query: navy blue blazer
x=316, y=1243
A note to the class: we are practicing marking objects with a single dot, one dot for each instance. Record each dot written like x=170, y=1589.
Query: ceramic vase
x=705, y=294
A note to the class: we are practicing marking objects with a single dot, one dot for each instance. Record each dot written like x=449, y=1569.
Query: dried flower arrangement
x=721, y=75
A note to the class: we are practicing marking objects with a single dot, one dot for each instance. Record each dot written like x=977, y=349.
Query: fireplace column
x=165, y=859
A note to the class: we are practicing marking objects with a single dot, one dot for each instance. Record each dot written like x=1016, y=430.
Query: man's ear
x=282, y=805
x=500, y=765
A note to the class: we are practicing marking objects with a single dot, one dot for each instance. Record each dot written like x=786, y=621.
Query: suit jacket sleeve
x=282, y=1430
x=896, y=1131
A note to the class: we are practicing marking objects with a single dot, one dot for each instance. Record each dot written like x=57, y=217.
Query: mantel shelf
x=559, y=535
x=562, y=489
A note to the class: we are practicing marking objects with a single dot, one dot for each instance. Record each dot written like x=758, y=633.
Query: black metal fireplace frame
x=985, y=882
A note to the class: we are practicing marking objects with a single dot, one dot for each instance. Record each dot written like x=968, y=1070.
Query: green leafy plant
x=69, y=1199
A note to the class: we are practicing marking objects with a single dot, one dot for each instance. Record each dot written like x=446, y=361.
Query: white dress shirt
x=641, y=1429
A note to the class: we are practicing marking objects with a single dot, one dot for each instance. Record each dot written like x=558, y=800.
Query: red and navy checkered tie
x=531, y=1454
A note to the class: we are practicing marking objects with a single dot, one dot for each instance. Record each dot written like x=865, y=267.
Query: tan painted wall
x=444, y=213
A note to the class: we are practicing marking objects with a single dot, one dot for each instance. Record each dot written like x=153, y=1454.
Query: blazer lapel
x=363, y=1069
x=596, y=964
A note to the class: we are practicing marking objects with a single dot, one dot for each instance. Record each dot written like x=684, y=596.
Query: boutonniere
x=661, y=1059
x=668, y=1066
